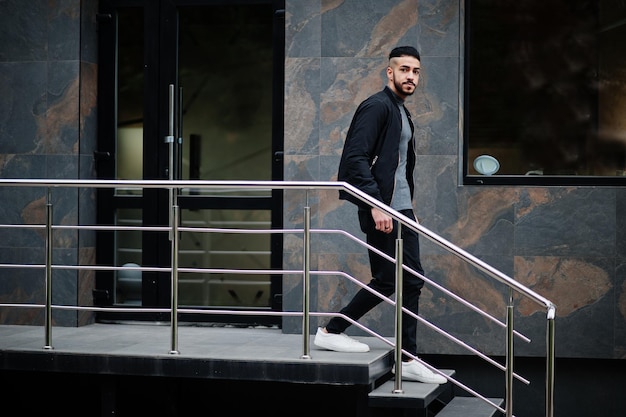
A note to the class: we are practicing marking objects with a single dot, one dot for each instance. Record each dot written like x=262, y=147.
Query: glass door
x=194, y=92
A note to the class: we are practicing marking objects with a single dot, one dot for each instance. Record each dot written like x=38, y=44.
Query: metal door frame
x=160, y=17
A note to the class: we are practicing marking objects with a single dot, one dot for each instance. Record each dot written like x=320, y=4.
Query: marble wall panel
x=485, y=225
x=345, y=83
x=560, y=241
x=64, y=286
x=439, y=25
x=65, y=212
x=293, y=288
x=583, y=289
x=436, y=199
x=89, y=31
x=23, y=88
x=23, y=30
x=22, y=166
x=86, y=283
x=87, y=216
x=88, y=139
x=301, y=168
x=303, y=26
x=62, y=166
x=88, y=113
x=435, y=106
x=22, y=205
x=367, y=28
x=547, y=223
x=302, y=106
x=87, y=145
x=47, y=130
x=63, y=25
x=22, y=285
x=59, y=129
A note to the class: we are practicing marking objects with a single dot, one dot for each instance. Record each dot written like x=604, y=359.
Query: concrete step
x=414, y=395
x=471, y=407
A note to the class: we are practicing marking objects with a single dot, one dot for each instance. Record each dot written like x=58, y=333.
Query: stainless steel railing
x=174, y=229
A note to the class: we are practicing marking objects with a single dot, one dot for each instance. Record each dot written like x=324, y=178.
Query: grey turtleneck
x=401, y=199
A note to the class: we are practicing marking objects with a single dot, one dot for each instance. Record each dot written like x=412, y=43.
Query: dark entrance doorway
x=191, y=90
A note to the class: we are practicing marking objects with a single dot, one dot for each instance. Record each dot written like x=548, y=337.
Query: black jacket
x=370, y=152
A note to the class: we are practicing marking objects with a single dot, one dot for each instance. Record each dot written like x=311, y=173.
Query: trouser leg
x=412, y=288
x=383, y=281
x=380, y=268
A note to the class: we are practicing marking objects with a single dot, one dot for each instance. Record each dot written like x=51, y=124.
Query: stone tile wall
x=48, y=85
x=562, y=242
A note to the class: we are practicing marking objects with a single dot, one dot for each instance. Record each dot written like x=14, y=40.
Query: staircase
x=427, y=400
x=414, y=398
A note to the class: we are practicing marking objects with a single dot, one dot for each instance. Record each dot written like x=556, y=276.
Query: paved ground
x=260, y=353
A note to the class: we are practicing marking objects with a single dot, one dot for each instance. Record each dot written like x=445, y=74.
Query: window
x=545, y=92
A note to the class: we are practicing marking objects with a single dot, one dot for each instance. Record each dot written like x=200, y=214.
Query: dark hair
x=404, y=51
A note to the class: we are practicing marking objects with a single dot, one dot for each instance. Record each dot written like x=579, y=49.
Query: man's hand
x=384, y=223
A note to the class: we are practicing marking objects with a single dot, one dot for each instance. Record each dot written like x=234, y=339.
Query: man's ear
x=389, y=73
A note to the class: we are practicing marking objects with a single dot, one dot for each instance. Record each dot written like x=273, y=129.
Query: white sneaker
x=415, y=371
x=338, y=342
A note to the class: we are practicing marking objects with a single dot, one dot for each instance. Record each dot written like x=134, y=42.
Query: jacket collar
x=397, y=99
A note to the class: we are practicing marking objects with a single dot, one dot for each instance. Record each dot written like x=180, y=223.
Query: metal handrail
x=176, y=186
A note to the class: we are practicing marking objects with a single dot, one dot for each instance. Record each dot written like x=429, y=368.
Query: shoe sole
x=409, y=377
x=335, y=349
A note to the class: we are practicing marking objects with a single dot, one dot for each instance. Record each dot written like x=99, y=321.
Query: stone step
x=414, y=395
x=471, y=407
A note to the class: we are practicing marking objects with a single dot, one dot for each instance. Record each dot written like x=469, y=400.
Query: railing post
x=397, y=386
x=175, y=241
x=509, y=357
x=174, y=218
x=48, y=284
x=306, y=271
x=169, y=139
x=550, y=363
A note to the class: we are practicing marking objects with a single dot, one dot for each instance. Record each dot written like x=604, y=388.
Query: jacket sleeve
x=360, y=147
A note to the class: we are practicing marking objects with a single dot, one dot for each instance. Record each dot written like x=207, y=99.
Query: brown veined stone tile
x=482, y=210
x=464, y=281
x=569, y=283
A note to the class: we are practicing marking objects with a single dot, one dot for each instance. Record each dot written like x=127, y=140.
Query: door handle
x=102, y=155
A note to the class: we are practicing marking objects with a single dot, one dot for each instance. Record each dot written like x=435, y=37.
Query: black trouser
x=384, y=277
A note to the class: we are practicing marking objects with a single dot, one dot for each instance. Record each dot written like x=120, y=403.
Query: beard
x=401, y=87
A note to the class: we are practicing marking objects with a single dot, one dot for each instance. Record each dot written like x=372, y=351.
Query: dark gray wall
x=562, y=242
x=48, y=80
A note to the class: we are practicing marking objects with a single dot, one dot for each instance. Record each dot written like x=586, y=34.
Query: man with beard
x=378, y=158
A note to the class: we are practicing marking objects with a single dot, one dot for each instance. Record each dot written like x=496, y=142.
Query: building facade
x=561, y=241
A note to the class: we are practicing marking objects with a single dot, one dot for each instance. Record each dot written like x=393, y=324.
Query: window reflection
x=546, y=83
x=212, y=247
x=130, y=93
